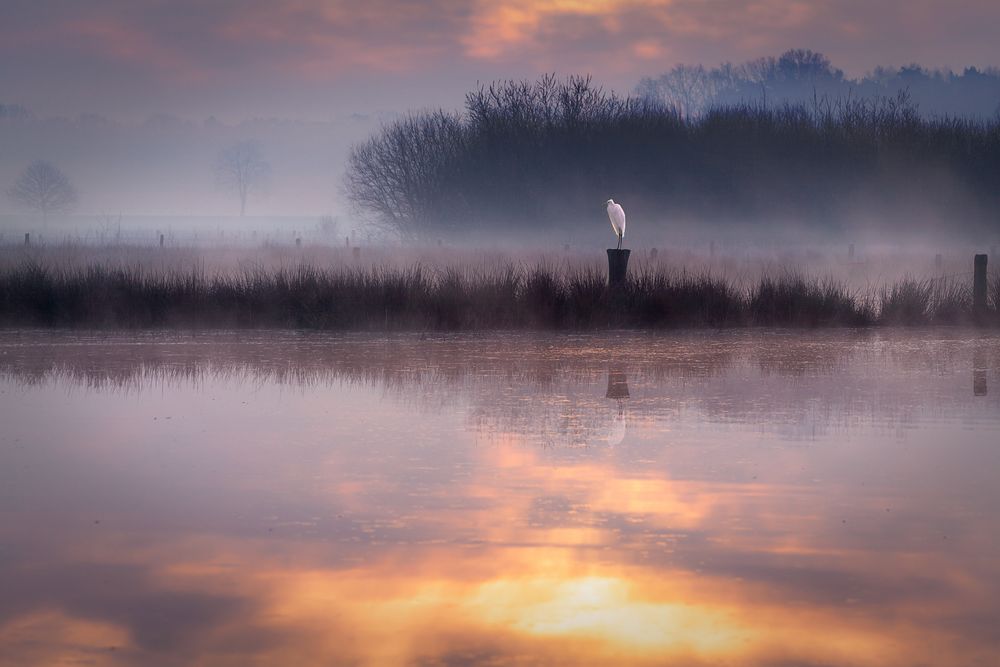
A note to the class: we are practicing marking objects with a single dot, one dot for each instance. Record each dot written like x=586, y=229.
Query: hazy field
x=397, y=286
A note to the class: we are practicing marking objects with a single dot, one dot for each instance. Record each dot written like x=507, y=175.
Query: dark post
x=298, y=242
x=161, y=240
x=617, y=266
x=27, y=238
x=979, y=286
x=347, y=241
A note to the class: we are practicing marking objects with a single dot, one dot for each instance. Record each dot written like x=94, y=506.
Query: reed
x=506, y=296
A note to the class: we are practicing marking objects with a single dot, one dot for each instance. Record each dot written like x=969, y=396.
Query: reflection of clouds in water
x=344, y=528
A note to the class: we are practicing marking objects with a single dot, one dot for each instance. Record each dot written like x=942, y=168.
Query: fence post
x=979, y=286
x=617, y=266
x=161, y=240
x=27, y=238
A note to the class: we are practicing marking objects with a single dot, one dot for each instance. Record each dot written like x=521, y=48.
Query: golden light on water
x=346, y=527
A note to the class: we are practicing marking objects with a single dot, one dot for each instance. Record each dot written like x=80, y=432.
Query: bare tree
x=45, y=188
x=688, y=89
x=241, y=169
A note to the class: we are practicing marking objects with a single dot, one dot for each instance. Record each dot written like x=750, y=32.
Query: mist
x=764, y=182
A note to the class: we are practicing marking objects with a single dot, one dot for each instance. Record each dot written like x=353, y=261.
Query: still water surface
x=744, y=498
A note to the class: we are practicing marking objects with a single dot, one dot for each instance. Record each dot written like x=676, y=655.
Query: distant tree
x=688, y=89
x=14, y=112
x=43, y=187
x=241, y=169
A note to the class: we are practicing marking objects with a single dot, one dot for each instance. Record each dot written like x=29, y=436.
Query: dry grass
x=504, y=296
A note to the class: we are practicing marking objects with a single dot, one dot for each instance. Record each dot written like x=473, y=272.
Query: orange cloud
x=131, y=45
x=497, y=28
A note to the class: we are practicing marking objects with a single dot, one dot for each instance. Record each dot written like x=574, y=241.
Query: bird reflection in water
x=617, y=390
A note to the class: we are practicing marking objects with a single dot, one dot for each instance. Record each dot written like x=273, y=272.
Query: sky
x=319, y=59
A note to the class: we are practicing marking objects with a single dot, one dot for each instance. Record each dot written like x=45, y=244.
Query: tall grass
x=419, y=298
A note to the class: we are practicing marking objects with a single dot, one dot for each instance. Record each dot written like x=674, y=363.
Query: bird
x=617, y=216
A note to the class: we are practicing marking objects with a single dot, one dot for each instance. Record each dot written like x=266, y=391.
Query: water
x=740, y=498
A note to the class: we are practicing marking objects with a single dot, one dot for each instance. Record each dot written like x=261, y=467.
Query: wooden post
x=161, y=240
x=979, y=286
x=617, y=266
x=27, y=238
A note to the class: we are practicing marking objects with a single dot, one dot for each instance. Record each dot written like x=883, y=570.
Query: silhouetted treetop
x=534, y=156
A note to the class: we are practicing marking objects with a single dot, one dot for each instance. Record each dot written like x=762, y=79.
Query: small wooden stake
x=979, y=286
x=617, y=266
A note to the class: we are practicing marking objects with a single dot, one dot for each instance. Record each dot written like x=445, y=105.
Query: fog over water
x=749, y=497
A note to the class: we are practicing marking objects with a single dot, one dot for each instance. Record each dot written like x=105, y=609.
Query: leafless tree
x=45, y=188
x=686, y=88
x=241, y=169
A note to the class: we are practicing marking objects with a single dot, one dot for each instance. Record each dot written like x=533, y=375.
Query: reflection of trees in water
x=555, y=388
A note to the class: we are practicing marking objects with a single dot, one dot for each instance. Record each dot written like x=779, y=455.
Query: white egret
x=617, y=216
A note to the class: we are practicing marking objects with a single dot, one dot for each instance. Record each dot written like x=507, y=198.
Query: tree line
x=528, y=156
x=803, y=76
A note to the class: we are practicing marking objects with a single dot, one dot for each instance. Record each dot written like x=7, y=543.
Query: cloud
x=184, y=54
